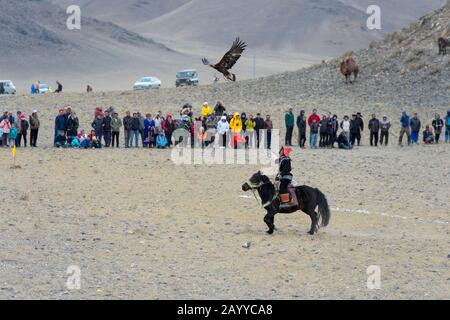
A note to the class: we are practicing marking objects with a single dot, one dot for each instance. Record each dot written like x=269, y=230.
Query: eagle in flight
x=228, y=60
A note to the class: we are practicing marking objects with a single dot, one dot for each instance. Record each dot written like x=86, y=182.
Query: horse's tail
x=324, y=209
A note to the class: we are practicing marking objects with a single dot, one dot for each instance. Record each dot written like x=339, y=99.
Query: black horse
x=309, y=199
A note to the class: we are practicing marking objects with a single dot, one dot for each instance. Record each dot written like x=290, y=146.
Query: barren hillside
x=324, y=27
x=124, y=13
x=38, y=46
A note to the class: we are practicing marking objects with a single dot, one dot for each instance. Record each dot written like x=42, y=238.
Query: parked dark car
x=187, y=78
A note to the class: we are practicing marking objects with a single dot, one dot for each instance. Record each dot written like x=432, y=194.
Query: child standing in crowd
x=314, y=127
x=12, y=136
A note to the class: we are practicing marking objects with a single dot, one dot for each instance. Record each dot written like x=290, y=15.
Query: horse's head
x=257, y=180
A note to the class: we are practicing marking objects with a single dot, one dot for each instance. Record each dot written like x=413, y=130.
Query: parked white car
x=147, y=83
x=8, y=87
x=44, y=88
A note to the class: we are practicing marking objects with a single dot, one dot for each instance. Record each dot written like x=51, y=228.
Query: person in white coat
x=345, y=126
x=223, y=127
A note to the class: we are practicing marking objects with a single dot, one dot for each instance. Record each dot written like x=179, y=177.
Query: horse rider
x=284, y=174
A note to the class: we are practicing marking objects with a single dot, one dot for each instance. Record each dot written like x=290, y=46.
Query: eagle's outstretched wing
x=232, y=56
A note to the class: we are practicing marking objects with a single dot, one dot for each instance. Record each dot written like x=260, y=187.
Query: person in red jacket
x=313, y=117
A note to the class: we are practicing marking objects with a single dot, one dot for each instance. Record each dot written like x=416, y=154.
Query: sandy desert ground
x=141, y=227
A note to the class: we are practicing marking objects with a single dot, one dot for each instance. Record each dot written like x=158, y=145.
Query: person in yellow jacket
x=250, y=125
x=206, y=110
x=236, y=123
x=236, y=128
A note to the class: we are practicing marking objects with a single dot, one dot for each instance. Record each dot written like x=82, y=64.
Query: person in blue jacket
x=405, y=129
x=161, y=140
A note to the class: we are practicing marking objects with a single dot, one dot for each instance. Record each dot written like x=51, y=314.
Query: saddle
x=293, y=200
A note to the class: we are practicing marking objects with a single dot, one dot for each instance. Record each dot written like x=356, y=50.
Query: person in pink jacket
x=6, y=127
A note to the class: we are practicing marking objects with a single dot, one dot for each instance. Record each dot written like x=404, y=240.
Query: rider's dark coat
x=285, y=168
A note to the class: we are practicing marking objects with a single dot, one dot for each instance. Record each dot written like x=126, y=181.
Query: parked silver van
x=7, y=87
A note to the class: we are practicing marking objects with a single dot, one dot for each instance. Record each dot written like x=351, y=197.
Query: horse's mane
x=265, y=178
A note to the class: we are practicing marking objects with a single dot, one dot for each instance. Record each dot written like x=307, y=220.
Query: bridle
x=256, y=186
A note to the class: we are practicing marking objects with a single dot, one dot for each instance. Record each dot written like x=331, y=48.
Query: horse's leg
x=269, y=219
x=314, y=222
x=311, y=211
